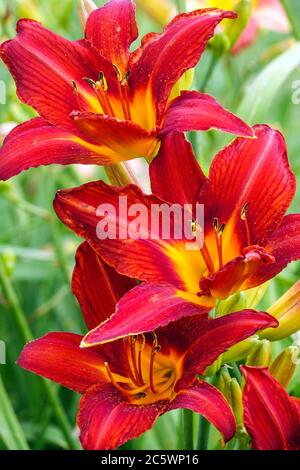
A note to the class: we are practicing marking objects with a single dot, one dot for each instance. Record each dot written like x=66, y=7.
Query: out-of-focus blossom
x=266, y=14
x=287, y=311
x=271, y=416
x=247, y=241
x=127, y=384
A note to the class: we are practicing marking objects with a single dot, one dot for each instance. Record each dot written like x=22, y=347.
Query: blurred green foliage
x=42, y=249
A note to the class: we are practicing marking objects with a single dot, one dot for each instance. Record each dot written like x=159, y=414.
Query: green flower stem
x=203, y=433
x=211, y=68
x=188, y=429
x=21, y=321
x=14, y=437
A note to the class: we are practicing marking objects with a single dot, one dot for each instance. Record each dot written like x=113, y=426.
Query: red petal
x=262, y=177
x=222, y=333
x=200, y=112
x=237, y=275
x=152, y=260
x=206, y=400
x=106, y=421
x=36, y=142
x=44, y=64
x=58, y=357
x=271, y=417
x=175, y=173
x=111, y=29
x=284, y=246
x=123, y=140
x=180, y=44
x=97, y=286
x=143, y=309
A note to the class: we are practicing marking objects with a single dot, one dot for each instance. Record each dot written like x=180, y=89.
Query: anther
x=102, y=80
x=244, y=218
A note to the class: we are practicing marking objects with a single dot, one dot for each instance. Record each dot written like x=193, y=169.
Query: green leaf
x=262, y=92
x=11, y=431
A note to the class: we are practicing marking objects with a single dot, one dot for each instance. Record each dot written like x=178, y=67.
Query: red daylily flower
x=129, y=383
x=99, y=103
x=271, y=416
x=247, y=238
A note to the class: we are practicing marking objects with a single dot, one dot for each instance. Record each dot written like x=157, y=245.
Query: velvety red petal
x=221, y=334
x=97, y=286
x=206, y=400
x=44, y=65
x=262, y=178
x=284, y=246
x=106, y=421
x=200, y=112
x=180, y=44
x=37, y=142
x=144, y=258
x=111, y=29
x=123, y=140
x=175, y=173
x=143, y=309
x=237, y=274
x=58, y=357
x=271, y=417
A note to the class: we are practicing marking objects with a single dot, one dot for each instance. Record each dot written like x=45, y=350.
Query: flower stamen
x=244, y=218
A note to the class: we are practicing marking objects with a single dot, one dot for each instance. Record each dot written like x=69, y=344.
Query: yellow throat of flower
x=152, y=375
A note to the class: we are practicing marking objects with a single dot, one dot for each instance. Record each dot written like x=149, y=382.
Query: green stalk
x=15, y=438
x=203, y=433
x=188, y=429
x=21, y=321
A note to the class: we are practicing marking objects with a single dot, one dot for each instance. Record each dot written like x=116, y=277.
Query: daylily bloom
x=247, y=238
x=271, y=416
x=266, y=14
x=100, y=103
x=129, y=383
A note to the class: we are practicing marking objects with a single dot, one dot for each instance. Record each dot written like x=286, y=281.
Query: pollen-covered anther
x=123, y=92
x=244, y=212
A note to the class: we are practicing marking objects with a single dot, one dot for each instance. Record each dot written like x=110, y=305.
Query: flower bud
x=231, y=390
x=220, y=43
x=284, y=365
x=242, y=300
x=240, y=350
x=287, y=311
x=260, y=354
x=85, y=8
x=236, y=401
